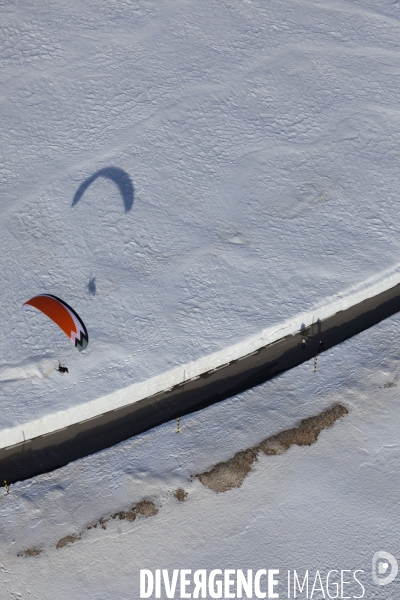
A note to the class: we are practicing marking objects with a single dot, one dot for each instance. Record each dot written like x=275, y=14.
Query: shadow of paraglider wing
x=119, y=177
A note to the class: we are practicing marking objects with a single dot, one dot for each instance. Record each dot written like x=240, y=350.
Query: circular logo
x=381, y=574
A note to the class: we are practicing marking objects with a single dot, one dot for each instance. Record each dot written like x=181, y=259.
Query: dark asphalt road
x=48, y=452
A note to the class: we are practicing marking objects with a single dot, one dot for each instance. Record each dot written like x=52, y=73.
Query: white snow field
x=191, y=176
x=138, y=391
x=261, y=140
x=328, y=506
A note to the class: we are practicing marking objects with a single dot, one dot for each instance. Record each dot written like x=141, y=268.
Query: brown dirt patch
x=231, y=473
x=102, y=522
x=129, y=515
x=145, y=508
x=68, y=539
x=180, y=494
x=30, y=552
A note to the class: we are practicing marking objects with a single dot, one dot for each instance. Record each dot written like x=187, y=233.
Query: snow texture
x=136, y=392
x=327, y=506
x=190, y=177
x=186, y=175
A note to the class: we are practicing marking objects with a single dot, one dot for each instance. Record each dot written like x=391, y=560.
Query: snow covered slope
x=59, y=420
x=331, y=505
x=257, y=144
x=261, y=143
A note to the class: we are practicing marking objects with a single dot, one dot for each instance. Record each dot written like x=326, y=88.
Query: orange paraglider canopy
x=64, y=316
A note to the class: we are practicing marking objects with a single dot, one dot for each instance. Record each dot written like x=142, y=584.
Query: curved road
x=56, y=449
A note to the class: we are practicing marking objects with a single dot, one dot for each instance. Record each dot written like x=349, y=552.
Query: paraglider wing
x=64, y=316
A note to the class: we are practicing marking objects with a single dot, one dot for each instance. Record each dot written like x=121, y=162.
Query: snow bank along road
x=45, y=452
